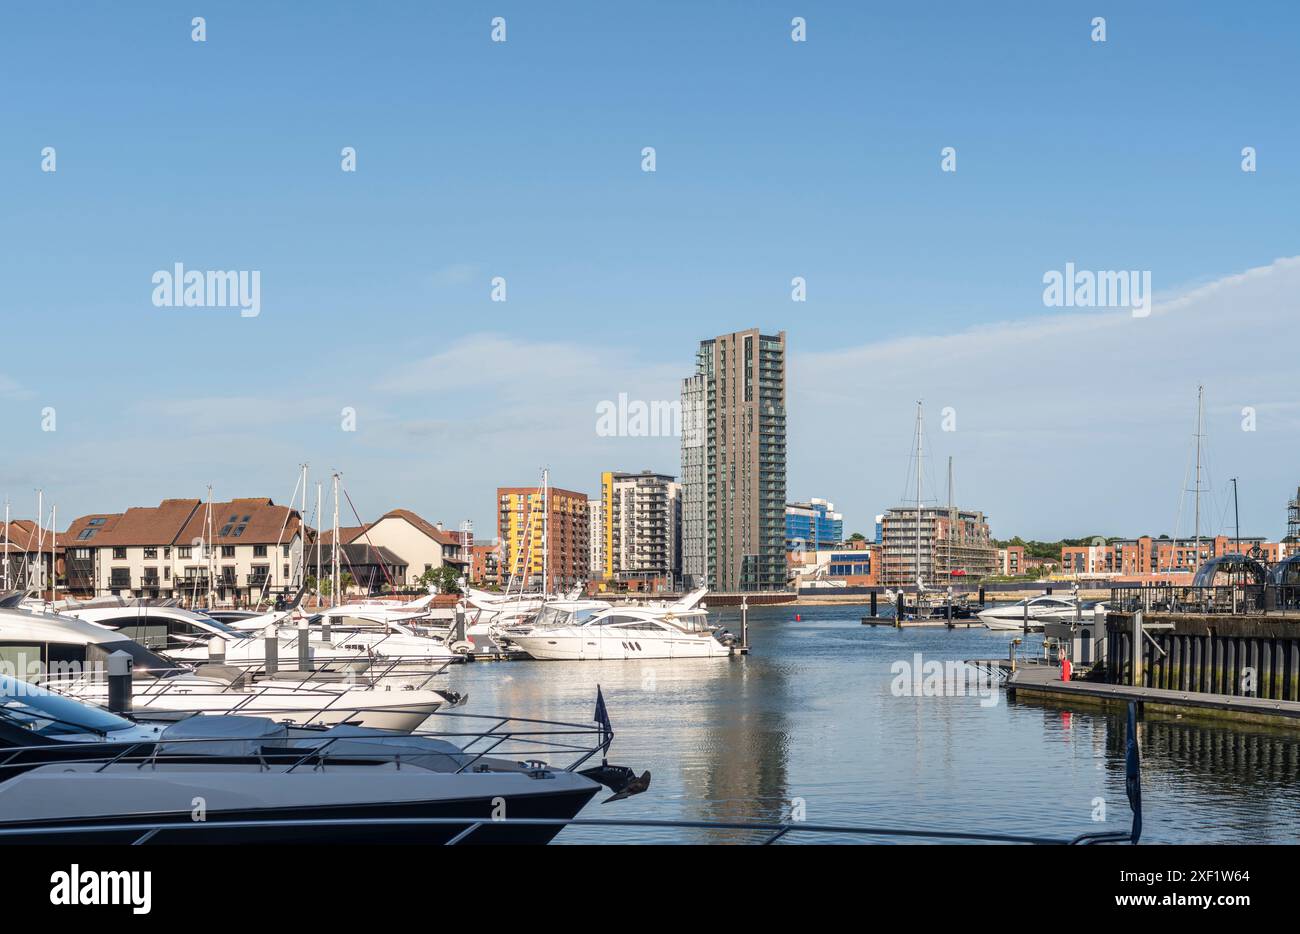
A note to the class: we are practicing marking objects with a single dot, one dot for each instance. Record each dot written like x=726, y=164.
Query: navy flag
x=602, y=719
x=1133, y=773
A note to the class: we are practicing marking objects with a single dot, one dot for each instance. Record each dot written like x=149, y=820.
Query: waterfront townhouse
x=27, y=555
x=418, y=544
x=231, y=553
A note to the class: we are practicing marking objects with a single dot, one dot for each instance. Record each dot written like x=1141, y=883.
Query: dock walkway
x=1044, y=681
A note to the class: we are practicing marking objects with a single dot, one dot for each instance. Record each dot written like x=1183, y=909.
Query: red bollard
x=1065, y=668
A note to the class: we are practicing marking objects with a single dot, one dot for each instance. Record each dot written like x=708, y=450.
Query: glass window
x=48, y=714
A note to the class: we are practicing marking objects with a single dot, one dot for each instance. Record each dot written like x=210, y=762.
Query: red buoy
x=798, y=618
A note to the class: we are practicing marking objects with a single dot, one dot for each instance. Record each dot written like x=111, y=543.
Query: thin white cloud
x=1065, y=423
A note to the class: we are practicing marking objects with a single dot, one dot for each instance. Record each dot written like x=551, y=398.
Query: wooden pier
x=1044, y=682
x=893, y=623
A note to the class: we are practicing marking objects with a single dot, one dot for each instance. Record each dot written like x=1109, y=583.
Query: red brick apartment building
x=519, y=529
x=1164, y=560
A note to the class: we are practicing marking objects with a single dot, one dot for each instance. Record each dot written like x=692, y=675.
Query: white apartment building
x=231, y=553
x=641, y=529
x=596, y=538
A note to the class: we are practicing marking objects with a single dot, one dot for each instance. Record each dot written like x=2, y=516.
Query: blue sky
x=522, y=159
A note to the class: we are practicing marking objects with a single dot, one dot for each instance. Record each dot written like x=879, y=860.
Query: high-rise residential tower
x=545, y=541
x=733, y=464
x=641, y=520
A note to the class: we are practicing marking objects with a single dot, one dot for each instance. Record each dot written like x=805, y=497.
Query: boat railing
x=565, y=746
x=168, y=680
x=759, y=833
x=1216, y=600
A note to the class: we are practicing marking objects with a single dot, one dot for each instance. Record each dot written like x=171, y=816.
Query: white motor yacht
x=72, y=773
x=625, y=632
x=1040, y=610
x=187, y=636
x=70, y=655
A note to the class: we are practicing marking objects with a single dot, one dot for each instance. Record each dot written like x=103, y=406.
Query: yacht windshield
x=223, y=628
x=550, y=616
x=47, y=714
x=143, y=662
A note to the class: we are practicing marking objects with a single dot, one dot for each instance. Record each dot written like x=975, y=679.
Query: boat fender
x=462, y=647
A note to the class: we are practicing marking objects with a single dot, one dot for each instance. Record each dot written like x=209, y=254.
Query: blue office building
x=811, y=525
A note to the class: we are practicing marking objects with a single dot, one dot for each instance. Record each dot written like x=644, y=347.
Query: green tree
x=445, y=578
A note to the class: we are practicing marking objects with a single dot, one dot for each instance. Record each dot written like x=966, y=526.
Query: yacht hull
x=380, y=825
x=389, y=710
x=71, y=802
x=556, y=647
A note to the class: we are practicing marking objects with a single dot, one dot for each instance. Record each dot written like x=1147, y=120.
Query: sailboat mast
x=33, y=576
x=952, y=521
x=334, y=577
x=1236, y=518
x=920, y=455
x=207, y=543
x=302, y=531
x=319, y=511
x=7, y=583
x=546, y=530
x=1200, y=410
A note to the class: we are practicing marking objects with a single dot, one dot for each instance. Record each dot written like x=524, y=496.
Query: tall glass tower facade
x=733, y=464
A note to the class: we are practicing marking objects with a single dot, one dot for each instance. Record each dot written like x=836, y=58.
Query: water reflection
x=808, y=720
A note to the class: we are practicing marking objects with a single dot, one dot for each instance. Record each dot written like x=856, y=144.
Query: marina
x=740, y=746
x=648, y=436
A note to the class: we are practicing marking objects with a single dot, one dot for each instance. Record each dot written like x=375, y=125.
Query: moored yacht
x=73, y=773
x=625, y=632
x=1038, y=610
x=69, y=655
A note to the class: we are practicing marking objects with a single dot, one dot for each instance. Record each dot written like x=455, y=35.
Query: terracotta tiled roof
x=149, y=525
x=242, y=522
x=347, y=533
x=86, y=531
x=23, y=536
x=440, y=536
x=357, y=533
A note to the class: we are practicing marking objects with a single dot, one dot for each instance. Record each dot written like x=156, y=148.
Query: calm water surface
x=809, y=715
